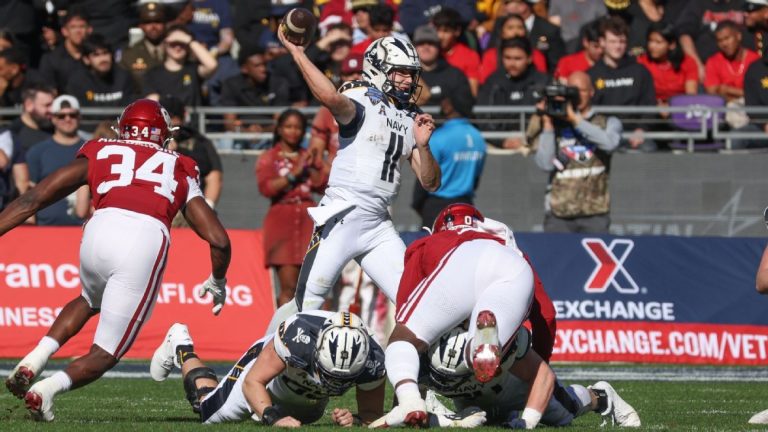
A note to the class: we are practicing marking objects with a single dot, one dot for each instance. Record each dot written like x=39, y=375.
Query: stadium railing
x=495, y=122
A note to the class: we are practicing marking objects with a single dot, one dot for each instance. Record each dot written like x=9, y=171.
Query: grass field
x=123, y=404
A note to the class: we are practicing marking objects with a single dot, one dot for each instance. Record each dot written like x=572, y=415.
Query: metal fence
x=494, y=122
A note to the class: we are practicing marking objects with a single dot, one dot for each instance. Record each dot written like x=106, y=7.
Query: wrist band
x=357, y=420
x=270, y=416
x=531, y=417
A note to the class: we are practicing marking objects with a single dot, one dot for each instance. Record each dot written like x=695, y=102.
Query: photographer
x=575, y=146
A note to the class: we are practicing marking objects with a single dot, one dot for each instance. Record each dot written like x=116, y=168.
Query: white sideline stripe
x=110, y=374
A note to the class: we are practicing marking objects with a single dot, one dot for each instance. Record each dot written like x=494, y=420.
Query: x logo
x=610, y=264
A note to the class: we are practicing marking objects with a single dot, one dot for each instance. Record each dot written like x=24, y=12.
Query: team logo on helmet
x=456, y=216
x=386, y=55
x=341, y=352
x=447, y=366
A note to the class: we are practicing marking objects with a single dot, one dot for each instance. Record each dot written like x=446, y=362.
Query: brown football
x=299, y=26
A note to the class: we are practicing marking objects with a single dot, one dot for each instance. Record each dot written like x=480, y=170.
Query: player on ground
x=505, y=395
x=138, y=187
x=463, y=270
x=378, y=127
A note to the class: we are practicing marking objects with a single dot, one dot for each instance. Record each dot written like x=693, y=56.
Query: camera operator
x=575, y=146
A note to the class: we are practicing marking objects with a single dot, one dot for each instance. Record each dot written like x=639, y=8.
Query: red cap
x=353, y=63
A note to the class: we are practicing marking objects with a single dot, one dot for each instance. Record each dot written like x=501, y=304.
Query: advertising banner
x=653, y=299
x=39, y=274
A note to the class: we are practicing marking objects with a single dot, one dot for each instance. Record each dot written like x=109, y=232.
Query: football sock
x=47, y=346
x=59, y=382
x=184, y=353
x=402, y=362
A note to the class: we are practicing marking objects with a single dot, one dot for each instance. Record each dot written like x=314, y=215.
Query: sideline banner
x=653, y=299
x=39, y=274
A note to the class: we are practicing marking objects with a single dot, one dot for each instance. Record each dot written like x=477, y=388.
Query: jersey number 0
x=127, y=171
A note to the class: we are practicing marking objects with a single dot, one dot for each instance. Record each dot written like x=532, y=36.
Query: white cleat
x=486, y=351
x=468, y=418
x=164, y=358
x=619, y=412
x=39, y=403
x=29, y=368
x=435, y=406
x=408, y=413
x=759, y=418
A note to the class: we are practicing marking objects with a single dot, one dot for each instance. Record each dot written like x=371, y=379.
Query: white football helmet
x=386, y=54
x=341, y=352
x=447, y=366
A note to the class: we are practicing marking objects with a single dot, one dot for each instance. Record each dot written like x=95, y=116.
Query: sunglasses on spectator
x=177, y=45
x=62, y=116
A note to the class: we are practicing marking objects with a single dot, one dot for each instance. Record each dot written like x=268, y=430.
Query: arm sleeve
x=607, y=139
x=350, y=129
x=546, y=152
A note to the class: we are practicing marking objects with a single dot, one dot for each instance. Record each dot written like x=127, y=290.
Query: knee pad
x=192, y=392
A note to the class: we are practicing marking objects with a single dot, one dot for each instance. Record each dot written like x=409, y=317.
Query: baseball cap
x=425, y=33
x=353, y=63
x=753, y=5
x=281, y=7
x=617, y=4
x=361, y=4
x=151, y=12
x=64, y=101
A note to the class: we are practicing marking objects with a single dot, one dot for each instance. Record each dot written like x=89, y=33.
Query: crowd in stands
x=198, y=53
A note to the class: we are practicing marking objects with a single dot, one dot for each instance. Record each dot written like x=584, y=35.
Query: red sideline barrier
x=39, y=270
x=654, y=342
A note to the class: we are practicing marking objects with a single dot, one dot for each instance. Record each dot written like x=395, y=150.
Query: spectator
x=515, y=83
x=179, y=75
x=149, y=52
x=638, y=15
x=576, y=151
x=756, y=21
x=382, y=21
x=101, y=84
x=582, y=60
x=250, y=19
x=287, y=177
x=459, y=148
x=324, y=138
x=448, y=24
x=58, y=66
x=755, y=95
x=619, y=80
x=34, y=123
x=361, y=19
x=725, y=69
x=439, y=77
x=190, y=142
x=111, y=18
x=212, y=25
x=415, y=13
x=697, y=23
x=331, y=49
x=255, y=86
x=14, y=173
x=14, y=76
x=47, y=156
x=508, y=27
x=21, y=28
x=673, y=71
x=543, y=35
x=571, y=16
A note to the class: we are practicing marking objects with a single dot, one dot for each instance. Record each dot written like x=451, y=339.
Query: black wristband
x=357, y=420
x=270, y=415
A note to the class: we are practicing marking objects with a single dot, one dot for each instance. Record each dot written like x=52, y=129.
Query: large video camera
x=556, y=96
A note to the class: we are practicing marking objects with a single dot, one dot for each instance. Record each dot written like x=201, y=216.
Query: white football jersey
x=366, y=170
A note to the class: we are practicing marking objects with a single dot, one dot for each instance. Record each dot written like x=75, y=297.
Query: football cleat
x=24, y=373
x=410, y=413
x=618, y=411
x=165, y=358
x=470, y=417
x=39, y=403
x=486, y=353
x=759, y=418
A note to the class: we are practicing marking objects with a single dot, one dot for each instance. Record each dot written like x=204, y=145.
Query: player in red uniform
x=463, y=270
x=138, y=187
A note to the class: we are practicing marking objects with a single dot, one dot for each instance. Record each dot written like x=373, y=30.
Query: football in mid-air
x=299, y=26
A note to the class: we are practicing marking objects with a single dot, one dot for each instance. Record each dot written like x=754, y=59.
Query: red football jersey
x=140, y=177
x=424, y=255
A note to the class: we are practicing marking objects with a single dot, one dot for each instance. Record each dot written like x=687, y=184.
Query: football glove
x=218, y=290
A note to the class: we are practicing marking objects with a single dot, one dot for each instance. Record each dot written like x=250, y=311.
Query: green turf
x=141, y=404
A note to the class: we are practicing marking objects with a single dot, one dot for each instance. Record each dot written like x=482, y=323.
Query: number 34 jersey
x=366, y=169
x=140, y=177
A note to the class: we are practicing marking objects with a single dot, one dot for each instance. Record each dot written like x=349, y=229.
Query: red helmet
x=457, y=215
x=145, y=120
